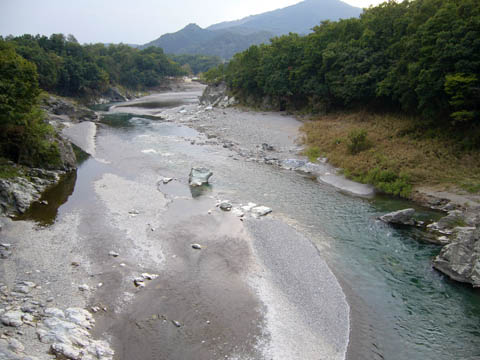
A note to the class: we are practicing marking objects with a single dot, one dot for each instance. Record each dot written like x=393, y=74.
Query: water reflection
x=44, y=211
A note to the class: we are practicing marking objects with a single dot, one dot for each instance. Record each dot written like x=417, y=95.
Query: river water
x=400, y=307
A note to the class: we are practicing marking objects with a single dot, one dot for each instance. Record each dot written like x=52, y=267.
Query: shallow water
x=408, y=310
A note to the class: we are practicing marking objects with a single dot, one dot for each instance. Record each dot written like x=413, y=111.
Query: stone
x=176, y=323
x=54, y=312
x=199, y=176
x=460, y=259
x=261, y=211
x=12, y=318
x=80, y=317
x=24, y=287
x=113, y=253
x=292, y=164
x=225, y=206
x=238, y=212
x=197, y=246
x=148, y=276
x=84, y=287
x=139, y=282
x=66, y=351
x=15, y=345
x=166, y=180
x=445, y=225
x=249, y=207
x=400, y=217
x=267, y=147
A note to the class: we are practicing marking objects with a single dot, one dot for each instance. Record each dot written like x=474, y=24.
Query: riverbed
x=319, y=278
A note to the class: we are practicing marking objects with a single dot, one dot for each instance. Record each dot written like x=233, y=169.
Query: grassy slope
x=394, y=147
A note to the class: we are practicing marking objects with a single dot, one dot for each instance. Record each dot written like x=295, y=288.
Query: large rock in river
x=400, y=217
x=460, y=259
x=199, y=176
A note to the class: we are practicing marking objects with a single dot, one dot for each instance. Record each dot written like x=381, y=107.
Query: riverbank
x=393, y=157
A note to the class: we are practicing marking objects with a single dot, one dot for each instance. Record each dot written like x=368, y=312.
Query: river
x=261, y=288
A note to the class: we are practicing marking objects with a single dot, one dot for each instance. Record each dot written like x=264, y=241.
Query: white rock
x=66, y=350
x=12, y=318
x=80, y=317
x=166, y=180
x=261, y=211
x=148, y=276
x=84, y=287
x=15, y=345
x=54, y=312
x=248, y=207
x=113, y=253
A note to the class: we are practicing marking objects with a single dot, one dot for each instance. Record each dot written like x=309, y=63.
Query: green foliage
x=357, y=141
x=214, y=75
x=24, y=136
x=421, y=57
x=387, y=181
x=313, y=153
x=197, y=63
x=464, y=92
x=68, y=68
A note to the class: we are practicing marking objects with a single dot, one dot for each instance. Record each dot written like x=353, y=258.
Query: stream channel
x=399, y=307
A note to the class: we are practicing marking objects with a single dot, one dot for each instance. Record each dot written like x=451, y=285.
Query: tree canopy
x=68, y=68
x=419, y=57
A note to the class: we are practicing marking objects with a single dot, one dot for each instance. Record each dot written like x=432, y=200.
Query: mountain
x=224, y=43
x=227, y=38
x=299, y=18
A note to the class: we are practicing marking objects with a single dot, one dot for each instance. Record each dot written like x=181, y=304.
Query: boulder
x=460, y=260
x=400, y=217
x=199, y=176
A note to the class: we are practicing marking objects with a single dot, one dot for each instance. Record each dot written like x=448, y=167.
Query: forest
x=67, y=68
x=420, y=58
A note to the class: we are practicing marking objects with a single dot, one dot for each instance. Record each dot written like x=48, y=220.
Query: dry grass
x=425, y=161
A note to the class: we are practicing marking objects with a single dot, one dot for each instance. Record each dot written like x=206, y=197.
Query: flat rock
x=261, y=211
x=400, y=217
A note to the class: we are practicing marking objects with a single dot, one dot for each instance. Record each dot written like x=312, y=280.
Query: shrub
x=313, y=153
x=388, y=182
x=357, y=141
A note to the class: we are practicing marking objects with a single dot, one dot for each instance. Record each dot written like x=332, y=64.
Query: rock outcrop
x=460, y=259
x=400, y=217
x=216, y=95
x=18, y=193
x=56, y=106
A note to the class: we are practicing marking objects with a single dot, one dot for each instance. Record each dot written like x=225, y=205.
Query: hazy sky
x=128, y=21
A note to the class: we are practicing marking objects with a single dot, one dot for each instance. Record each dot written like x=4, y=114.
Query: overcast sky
x=127, y=21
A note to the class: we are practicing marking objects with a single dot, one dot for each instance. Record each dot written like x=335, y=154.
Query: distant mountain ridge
x=227, y=38
x=299, y=18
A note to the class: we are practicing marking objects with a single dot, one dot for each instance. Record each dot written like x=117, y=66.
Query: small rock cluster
x=64, y=332
x=241, y=210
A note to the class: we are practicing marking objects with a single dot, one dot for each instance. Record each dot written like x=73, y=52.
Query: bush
x=358, y=141
x=388, y=182
x=313, y=153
